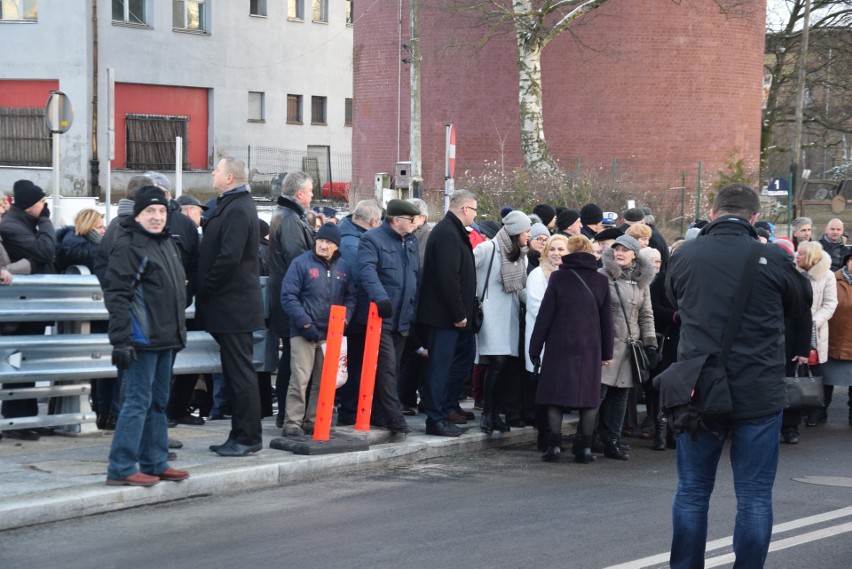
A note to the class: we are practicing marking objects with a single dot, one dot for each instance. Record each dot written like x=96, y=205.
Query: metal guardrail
x=67, y=361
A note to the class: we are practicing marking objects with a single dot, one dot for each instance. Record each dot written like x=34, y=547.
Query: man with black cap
x=591, y=216
x=389, y=266
x=546, y=214
x=315, y=281
x=146, y=300
x=568, y=222
x=27, y=233
x=192, y=208
x=228, y=301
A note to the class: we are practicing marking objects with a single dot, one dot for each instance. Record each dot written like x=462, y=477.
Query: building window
x=296, y=9
x=19, y=10
x=347, y=113
x=320, y=11
x=129, y=11
x=257, y=8
x=256, y=106
x=151, y=141
x=294, y=109
x=189, y=15
x=349, y=16
x=318, y=108
x=24, y=138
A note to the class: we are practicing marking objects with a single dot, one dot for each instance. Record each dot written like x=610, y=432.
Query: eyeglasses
x=541, y=239
x=410, y=218
x=470, y=207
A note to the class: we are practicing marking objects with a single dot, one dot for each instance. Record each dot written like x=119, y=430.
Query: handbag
x=804, y=392
x=478, y=312
x=696, y=389
x=639, y=366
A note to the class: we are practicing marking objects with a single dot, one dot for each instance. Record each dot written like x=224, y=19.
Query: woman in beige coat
x=629, y=278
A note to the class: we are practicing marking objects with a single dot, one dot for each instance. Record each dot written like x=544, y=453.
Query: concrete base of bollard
x=306, y=445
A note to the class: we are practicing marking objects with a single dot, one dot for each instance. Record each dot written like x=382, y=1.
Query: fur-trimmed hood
x=644, y=272
x=819, y=270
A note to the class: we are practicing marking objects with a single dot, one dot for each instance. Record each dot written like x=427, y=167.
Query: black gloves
x=45, y=212
x=536, y=361
x=385, y=308
x=653, y=356
x=122, y=355
x=312, y=334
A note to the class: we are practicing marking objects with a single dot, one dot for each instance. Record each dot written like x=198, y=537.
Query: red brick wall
x=660, y=86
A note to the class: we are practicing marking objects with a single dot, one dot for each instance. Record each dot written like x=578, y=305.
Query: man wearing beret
x=568, y=222
x=27, y=234
x=389, y=265
x=146, y=299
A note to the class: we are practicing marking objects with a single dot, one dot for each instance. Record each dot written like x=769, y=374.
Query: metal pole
x=698, y=196
x=796, y=165
x=682, y=199
x=56, y=203
x=614, y=167
x=178, y=166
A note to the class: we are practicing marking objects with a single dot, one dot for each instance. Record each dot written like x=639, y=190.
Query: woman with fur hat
x=501, y=273
x=629, y=277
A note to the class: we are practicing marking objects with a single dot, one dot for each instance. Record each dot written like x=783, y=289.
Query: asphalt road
x=498, y=508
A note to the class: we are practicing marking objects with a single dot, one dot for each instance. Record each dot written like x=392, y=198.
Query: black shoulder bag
x=697, y=389
x=639, y=365
x=478, y=313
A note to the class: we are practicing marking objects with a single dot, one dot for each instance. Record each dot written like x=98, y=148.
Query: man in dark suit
x=229, y=302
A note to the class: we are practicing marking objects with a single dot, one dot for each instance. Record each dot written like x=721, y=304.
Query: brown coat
x=840, y=325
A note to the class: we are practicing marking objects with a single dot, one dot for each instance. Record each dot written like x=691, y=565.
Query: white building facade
x=267, y=80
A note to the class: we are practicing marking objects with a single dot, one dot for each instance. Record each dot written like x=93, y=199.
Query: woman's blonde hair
x=546, y=266
x=639, y=231
x=579, y=244
x=813, y=252
x=86, y=220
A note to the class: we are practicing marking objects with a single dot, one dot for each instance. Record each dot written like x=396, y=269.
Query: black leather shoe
x=399, y=427
x=443, y=429
x=612, y=450
x=551, y=454
x=499, y=425
x=237, y=449
x=215, y=448
x=486, y=424
x=190, y=420
x=23, y=434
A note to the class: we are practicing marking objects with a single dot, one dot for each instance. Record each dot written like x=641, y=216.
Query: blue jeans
x=141, y=434
x=451, y=355
x=754, y=461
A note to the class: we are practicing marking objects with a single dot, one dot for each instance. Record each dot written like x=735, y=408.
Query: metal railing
x=68, y=359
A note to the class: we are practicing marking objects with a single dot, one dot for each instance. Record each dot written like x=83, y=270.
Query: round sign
x=58, y=113
x=451, y=151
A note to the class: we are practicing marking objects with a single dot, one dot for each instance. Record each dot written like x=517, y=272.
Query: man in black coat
x=289, y=237
x=703, y=279
x=229, y=302
x=447, y=300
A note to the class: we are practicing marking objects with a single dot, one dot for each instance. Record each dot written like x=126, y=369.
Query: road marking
x=841, y=481
x=663, y=558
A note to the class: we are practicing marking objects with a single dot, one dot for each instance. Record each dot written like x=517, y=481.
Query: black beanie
x=545, y=213
x=26, y=194
x=591, y=214
x=149, y=195
x=329, y=232
x=567, y=218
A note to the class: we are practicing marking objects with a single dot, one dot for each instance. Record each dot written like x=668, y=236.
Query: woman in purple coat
x=571, y=371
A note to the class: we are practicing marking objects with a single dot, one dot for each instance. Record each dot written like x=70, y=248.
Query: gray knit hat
x=516, y=222
x=628, y=242
x=539, y=229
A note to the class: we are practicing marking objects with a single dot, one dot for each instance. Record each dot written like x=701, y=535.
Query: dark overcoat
x=577, y=328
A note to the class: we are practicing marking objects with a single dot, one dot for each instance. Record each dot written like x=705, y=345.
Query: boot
x=541, y=440
x=582, y=449
x=659, y=443
x=612, y=450
x=498, y=423
x=553, y=450
x=486, y=424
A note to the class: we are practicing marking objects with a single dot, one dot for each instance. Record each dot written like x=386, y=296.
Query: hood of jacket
x=643, y=272
x=349, y=228
x=819, y=270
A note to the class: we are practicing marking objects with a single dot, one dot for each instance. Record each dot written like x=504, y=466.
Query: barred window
x=294, y=109
x=151, y=141
x=318, y=110
x=24, y=138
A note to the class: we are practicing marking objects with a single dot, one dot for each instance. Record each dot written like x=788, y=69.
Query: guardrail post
x=328, y=383
x=368, y=369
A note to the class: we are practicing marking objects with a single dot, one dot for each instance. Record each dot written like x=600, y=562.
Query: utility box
x=382, y=182
x=402, y=175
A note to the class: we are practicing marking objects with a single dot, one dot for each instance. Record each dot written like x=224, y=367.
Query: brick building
x=656, y=85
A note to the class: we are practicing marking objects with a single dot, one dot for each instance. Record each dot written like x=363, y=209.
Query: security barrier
x=72, y=356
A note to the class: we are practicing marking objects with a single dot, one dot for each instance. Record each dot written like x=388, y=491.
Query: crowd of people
x=533, y=316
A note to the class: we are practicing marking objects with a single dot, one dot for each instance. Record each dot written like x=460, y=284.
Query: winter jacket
x=73, y=249
x=840, y=325
x=350, y=237
x=824, y=302
x=27, y=237
x=500, y=334
x=666, y=324
x=636, y=296
x=184, y=233
x=576, y=328
x=835, y=250
x=389, y=270
x=289, y=237
x=448, y=289
x=536, y=287
x=228, y=298
x=311, y=286
x=702, y=280
x=145, y=296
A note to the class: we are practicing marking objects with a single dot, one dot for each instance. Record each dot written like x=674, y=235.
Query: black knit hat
x=545, y=213
x=567, y=218
x=26, y=194
x=608, y=234
x=591, y=214
x=147, y=196
x=329, y=232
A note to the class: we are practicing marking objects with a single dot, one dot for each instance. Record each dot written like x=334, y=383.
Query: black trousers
x=241, y=386
x=347, y=396
x=386, y=406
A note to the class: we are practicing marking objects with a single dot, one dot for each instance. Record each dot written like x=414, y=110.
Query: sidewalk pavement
x=61, y=477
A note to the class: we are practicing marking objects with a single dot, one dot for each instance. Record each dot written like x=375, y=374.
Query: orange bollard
x=368, y=369
x=328, y=383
